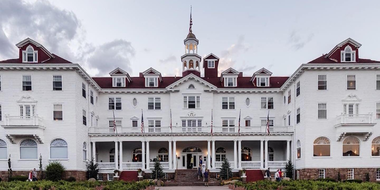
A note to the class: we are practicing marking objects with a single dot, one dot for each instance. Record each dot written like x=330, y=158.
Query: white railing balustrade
x=106, y=165
x=164, y=165
x=132, y=165
x=23, y=121
x=250, y=164
x=354, y=119
x=218, y=164
x=276, y=164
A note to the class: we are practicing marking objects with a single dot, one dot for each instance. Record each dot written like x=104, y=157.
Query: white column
x=235, y=155
x=213, y=154
x=121, y=155
x=174, y=155
x=287, y=150
x=261, y=154
x=143, y=155
x=94, y=151
x=170, y=155
x=208, y=154
x=239, y=154
x=116, y=155
x=266, y=154
x=147, y=156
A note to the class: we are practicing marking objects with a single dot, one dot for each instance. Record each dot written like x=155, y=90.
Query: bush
x=327, y=180
x=71, y=179
x=289, y=169
x=353, y=180
x=54, y=171
x=18, y=178
x=92, y=170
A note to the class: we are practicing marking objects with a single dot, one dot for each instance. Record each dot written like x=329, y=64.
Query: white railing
x=195, y=130
x=106, y=165
x=250, y=164
x=354, y=119
x=219, y=164
x=23, y=121
x=164, y=165
x=132, y=165
x=276, y=164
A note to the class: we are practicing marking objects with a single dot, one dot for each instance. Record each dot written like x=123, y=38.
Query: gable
x=191, y=78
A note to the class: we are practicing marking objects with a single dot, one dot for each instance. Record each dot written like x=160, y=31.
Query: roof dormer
x=261, y=78
x=210, y=65
x=229, y=77
x=152, y=77
x=33, y=52
x=120, y=78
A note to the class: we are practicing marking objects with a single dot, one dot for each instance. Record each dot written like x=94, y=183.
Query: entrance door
x=188, y=161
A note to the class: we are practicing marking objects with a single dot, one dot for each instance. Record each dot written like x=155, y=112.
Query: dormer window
x=118, y=82
x=210, y=64
x=230, y=81
x=29, y=55
x=262, y=81
x=151, y=81
x=348, y=55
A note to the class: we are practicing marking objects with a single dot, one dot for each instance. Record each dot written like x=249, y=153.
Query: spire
x=191, y=20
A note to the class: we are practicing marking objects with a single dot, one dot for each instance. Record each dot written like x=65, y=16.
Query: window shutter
x=342, y=56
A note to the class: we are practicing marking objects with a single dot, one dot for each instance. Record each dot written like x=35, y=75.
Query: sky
x=138, y=34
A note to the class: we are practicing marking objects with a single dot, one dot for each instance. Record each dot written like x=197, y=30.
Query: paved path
x=193, y=188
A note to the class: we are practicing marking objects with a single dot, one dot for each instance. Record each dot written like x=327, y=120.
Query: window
x=84, y=151
x=321, y=173
x=1, y=115
x=228, y=125
x=151, y=81
x=118, y=82
x=265, y=104
x=298, y=149
x=298, y=88
x=322, y=111
x=220, y=154
x=154, y=125
x=111, y=124
x=377, y=82
x=210, y=64
x=350, y=174
x=112, y=155
x=322, y=82
x=83, y=90
x=351, y=83
x=163, y=155
x=57, y=82
x=26, y=83
x=377, y=174
x=192, y=102
x=154, y=103
x=284, y=99
x=3, y=150
x=58, y=149
x=262, y=81
x=248, y=123
x=348, y=55
x=270, y=123
x=57, y=113
x=376, y=146
x=351, y=146
x=289, y=120
x=298, y=115
x=91, y=97
x=114, y=103
x=28, y=149
x=27, y=111
x=350, y=109
x=289, y=96
x=137, y=155
x=321, y=147
x=228, y=103
x=270, y=154
x=134, y=123
x=230, y=81
x=84, y=118
x=191, y=125
x=29, y=55
x=246, y=154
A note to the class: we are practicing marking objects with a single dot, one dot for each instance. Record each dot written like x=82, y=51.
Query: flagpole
x=212, y=122
x=114, y=123
x=142, y=122
x=239, y=121
x=268, y=131
x=171, y=121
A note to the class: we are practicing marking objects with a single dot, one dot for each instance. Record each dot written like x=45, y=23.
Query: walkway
x=193, y=188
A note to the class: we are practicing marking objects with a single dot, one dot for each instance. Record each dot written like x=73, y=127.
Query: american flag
x=171, y=122
x=114, y=122
x=142, y=121
x=212, y=120
x=239, y=121
x=268, y=131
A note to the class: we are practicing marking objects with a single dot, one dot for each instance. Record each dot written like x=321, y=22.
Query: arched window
x=192, y=149
x=184, y=64
x=348, y=55
x=3, y=149
x=84, y=151
x=196, y=64
x=29, y=55
x=191, y=86
x=191, y=64
x=58, y=149
x=351, y=146
x=28, y=149
x=137, y=155
x=322, y=146
x=298, y=149
x=246, y=154
x=270, y=154
x=163, y=155
x=112, y=155
x=376, y=146
x=220, y=154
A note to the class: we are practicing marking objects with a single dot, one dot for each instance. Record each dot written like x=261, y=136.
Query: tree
x=92, y=170
x=225, y=171
x=289, y=169
x=54, y=171
x=157, y=170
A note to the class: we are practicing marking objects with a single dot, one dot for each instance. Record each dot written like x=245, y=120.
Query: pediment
x=191, y=77
x=27, y=99
x=263, y=71
x=230, y=71
x=120, y=72
x=351, y=98
x=211, y=56
x=151, y=71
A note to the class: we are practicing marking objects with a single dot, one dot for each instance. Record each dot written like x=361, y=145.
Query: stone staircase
x=189, y=178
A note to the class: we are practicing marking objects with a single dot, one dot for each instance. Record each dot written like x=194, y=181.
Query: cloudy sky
x=135, y=35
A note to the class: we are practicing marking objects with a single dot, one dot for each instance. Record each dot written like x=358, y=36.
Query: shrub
x=289, y=169
x=353, y=180
x=71, y=179
x=18, y=178
x=54, y=171
x=327, y=180
x=225, y=171
x=367, y=177
x=157, y=172
x=92, y=170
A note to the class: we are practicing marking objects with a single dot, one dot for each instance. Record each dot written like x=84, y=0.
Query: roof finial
x=191, y=20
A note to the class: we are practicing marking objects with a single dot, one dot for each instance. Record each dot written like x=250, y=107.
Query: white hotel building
x=324, y=117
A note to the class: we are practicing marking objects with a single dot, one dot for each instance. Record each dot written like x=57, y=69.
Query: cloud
x=168, y=59
x=247, y=68
x=228, y=56
x=297, y=41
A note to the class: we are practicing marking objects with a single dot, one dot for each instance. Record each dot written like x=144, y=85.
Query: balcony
x=175, y=130
x=354, y=124
x=24, y=127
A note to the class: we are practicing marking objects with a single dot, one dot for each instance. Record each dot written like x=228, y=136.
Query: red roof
x=324, y=59
x=56, y=59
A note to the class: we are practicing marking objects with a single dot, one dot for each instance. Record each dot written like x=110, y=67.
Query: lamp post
x=9, y=167
x=41, y=166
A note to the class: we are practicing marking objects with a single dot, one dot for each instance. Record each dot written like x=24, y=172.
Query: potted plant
x=116, y=172
x=139, y=172
x=243, y=172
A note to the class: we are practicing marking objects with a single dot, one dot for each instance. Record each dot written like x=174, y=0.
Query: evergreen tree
x=225, y=171
x=289, y=169
x=157, y=171
x=92, y=170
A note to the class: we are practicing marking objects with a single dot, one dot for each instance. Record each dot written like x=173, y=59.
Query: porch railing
x=219, y=164
x=250, y=164
x=354, y=119
x=106, y=165
x=164, y=165
x=277, y=164
x=23, y=121
x=132, y=165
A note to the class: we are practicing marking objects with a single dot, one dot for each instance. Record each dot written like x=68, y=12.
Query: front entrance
x=190, y=158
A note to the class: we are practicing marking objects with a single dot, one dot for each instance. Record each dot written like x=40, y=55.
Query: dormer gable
x=152, y=77
x=120, y=78
x=229, y=77
x=210, y=66
x=31, y=51
x=346, y=51
x=261, y=78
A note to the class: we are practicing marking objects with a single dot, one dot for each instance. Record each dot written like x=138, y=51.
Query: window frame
x=64, y=146
x=298, y=115
x=322, y=82
x=84, y=93
x=92, y=97
x=350, y=174
x=289, y=96
x=350, y=146
x=318, y=144
x=228, y=103
x=154, y=81
x=115, y=103
x=154, y=125
x=322, y=109
x=298, y=90
x=228, y=125
x=375, y=145
x=321, y=173
x=154, y=103
x=56, y=111
x=57, y=83
x=348, y=55
x=197, y=101
x=26, y=147
x=377, y=82
x=25, y=55
x=84, y=117
x=27, y=83
x=230, y=81
x=220, y=155
x=211, y=64
x=351, y=82
x=3, y=146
